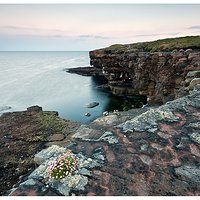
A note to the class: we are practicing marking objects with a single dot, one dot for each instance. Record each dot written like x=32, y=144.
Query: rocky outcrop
x=85, y=71
x=40, y=177
x=161, y=75
x=22, y=134
x=148, y=151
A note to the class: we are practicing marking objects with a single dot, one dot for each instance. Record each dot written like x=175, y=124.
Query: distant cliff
x=162, y=70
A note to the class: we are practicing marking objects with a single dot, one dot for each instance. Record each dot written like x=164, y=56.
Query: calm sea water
x=38, y=78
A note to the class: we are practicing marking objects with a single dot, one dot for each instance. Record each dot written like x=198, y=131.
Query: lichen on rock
x=76, y=180
x=50, y=152
x=186, y=172
x=88, y=133
x=148, y=121
x=195, y=137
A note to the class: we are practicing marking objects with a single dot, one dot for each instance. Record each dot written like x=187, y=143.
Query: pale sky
x=68, y=27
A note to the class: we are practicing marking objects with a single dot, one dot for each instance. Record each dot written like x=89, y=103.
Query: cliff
x=162, y=70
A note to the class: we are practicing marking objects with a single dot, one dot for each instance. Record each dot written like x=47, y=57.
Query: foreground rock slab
x=39, y=183
x=158, y=152
x=154, y=153
x=23, y=134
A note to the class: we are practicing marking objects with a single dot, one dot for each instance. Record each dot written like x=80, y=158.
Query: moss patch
x=160, y=45
x=50, y=122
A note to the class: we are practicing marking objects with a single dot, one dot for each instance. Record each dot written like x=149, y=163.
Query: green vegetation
x=160, y=45
x=63, y=166
x=126, y=108
x=49, y=121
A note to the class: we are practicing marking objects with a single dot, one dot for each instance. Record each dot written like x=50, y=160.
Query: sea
x=40, y=78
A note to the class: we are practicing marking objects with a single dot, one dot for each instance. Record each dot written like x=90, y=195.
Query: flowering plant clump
x=63, y=165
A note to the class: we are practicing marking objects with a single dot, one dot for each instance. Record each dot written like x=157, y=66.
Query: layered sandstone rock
x=160, y=75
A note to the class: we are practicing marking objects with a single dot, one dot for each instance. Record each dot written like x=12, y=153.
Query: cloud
x=11, y=27
x=18, y=30
x=28, y=28
x=57, y=36
x=194, y=27
x=94, y=37
x=147, y=35
x=53, y=33
x=157, y=34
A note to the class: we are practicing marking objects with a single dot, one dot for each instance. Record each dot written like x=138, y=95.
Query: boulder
x=34, y=109
x=92, y=105
x=87, y=114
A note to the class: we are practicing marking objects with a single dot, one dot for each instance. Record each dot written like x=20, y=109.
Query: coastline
x=156, y=148
x=134, y=141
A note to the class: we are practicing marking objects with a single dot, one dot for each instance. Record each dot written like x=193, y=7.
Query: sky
x=84, y=27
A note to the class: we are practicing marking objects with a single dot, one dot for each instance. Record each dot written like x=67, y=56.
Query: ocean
x=38, y=78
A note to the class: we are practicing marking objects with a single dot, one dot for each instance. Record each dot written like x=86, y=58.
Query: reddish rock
x=161, y=76
x=131, y=150
x=90, y=194
x=162, y=162
x=169, y=129
x=194, y=150
x=110, y=155
x=146, y=159
x=32, y=188
x=140, y=186
x=157, y=146
x=164, y=135
x=22, y=135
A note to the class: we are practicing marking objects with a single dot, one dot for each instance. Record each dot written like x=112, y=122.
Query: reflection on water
x=125, y=103
x=122, y=103
x=98, y=80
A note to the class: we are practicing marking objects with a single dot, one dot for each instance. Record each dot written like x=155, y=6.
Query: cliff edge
x=162, y=70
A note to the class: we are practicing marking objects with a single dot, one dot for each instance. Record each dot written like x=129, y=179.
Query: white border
x=100, y=1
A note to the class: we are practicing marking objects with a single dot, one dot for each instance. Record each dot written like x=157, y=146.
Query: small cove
x=38, y=78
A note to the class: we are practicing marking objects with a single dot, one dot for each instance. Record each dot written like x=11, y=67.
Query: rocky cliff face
x=159, y=75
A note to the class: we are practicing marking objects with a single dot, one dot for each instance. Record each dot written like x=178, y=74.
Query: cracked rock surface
x=155, y=152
